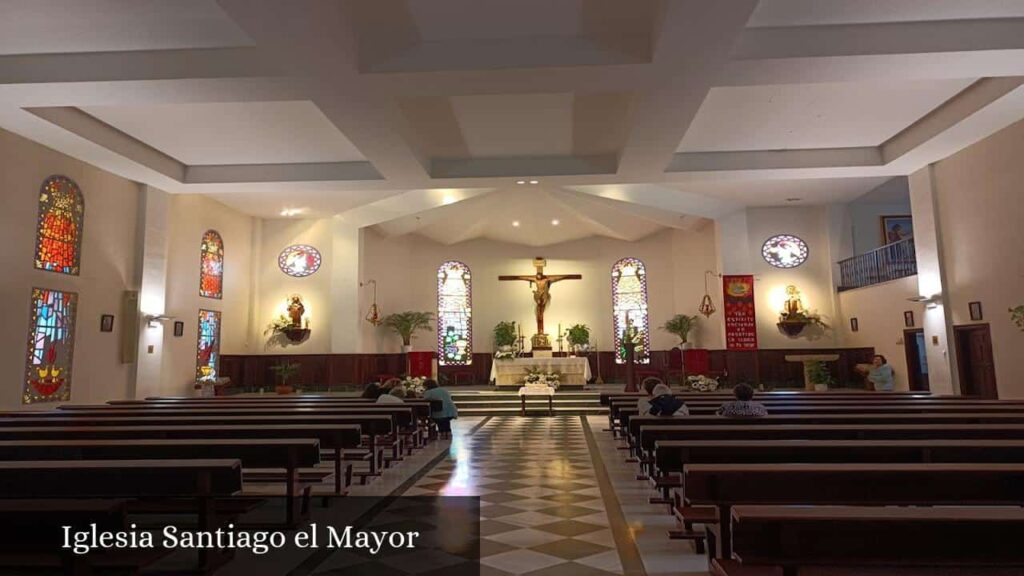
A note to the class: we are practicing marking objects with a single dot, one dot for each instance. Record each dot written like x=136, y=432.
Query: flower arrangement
x=539, y=378
x=507, y=353
x=702, y=383
x=414, y=385
x=279, y=325
x=1017, y=316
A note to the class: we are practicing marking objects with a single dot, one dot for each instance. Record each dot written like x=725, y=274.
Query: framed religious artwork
x=896, y=228
x=107, y=323
x=908, y=318
x=179, y=329
x=975, y=309
x=854, y=325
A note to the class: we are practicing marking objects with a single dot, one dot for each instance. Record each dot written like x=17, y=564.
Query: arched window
x=629, y=306
x=51, y=345
x=211, y=265
x=454, y=315
x=208, y=347
x=59, y=229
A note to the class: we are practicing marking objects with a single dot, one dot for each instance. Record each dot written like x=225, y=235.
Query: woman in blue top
x=442, y=417
x=881, y=374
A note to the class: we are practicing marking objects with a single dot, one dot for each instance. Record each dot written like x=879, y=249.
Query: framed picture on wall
x=179, y=329
x=854, y=325
x=975, y=308
x=896, y=228
x=107, y=323
x=908, y=318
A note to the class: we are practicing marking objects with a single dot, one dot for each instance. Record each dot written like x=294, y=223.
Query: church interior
x=660, y=287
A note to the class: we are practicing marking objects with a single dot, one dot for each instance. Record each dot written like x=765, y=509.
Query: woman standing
x=442, y=417
x=881, y=374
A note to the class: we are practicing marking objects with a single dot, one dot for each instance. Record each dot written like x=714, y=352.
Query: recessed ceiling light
x=291, y=212
x=793, y=199
x=534, y=182
x=515, y=223
x=555, y=222
x=520, y=182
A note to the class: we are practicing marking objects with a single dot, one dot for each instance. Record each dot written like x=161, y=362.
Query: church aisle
x=541, y=504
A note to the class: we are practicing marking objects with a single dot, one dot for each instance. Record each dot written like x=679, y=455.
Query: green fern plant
x=407, y=323
x=681, y=325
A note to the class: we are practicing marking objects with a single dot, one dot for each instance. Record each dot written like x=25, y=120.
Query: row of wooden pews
x=905, y=483
x=210, y=459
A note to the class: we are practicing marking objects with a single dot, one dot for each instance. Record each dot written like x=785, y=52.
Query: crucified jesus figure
x=541, y=285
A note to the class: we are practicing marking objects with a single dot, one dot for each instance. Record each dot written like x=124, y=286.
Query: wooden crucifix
x=541, y=285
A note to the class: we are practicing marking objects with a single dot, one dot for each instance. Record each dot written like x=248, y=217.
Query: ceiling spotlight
x=555, y=222
x=291, y=212
x=534, y=182
x=515, y=223
x=520, y=182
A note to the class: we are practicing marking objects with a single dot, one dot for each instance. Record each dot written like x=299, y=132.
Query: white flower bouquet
x=414, y=385
x=505, y=353
x=538, y=378
x=702, y=383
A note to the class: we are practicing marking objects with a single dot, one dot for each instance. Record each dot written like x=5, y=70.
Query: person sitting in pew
x=372, y=391
x=395, y=396
x=661, y=402
x=744, y=405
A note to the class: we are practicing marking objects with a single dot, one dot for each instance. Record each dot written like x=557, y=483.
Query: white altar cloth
x=573, y=371
x=536, y=391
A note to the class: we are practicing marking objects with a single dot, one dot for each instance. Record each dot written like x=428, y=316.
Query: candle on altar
x=559, y=329
x=519, y=327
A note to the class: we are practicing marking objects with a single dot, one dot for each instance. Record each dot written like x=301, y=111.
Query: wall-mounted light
x=373, y=314
x=928, y=301
x=154, y=320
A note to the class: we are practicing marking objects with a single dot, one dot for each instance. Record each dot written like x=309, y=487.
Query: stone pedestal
x=807, y=359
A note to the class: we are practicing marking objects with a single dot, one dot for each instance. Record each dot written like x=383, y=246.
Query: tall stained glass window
x=208, y=348
x=454, y=315
x=629, y=307
x=51, y=346
x=211, y=265
x=59, y=229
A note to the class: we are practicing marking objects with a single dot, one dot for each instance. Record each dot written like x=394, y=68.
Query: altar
x=574, y=371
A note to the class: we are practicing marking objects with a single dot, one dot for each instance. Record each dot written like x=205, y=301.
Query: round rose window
x=784, y=251
x=299, y=260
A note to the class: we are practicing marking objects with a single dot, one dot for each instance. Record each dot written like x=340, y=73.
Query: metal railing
x=890, y=262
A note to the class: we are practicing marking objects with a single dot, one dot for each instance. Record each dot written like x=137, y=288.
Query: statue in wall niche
x=295, y=310
x=794, y=304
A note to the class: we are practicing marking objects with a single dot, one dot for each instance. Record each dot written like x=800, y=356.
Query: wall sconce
x=153, y=320
x=928, y=301
x=373, y=314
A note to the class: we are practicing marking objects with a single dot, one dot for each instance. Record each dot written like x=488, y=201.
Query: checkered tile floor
x=541, y=508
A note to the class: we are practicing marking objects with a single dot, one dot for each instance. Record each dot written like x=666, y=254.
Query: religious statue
x=296, y=310
x=794, y=305
x=541, y=285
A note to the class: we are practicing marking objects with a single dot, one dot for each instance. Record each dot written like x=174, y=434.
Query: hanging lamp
x=707, y=306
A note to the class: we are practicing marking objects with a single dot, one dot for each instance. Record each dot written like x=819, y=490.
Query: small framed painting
x=896, y=228
x=107, y=323
x=908, y=318
x=854, y=325
x=975, y=308
x=179, y=329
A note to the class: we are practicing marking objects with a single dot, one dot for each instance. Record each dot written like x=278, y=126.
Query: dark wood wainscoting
x=340, y=371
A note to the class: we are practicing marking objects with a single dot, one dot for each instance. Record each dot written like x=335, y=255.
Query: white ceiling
x=51, y=26
x=233, y=132
x=632, y=116
x=794, y=116
x=823, y=12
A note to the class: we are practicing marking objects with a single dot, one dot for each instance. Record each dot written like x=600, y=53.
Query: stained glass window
x=629, y=308
x=299, y=260
x=51, y=346
x=784, y=251
x=454, y=315
x=208, y=348
x=59, y=229
x=211, y=271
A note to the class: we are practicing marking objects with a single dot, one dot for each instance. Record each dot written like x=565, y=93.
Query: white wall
x=108, y=268
x=980, y=204
x=879, y=313
x=889, y=199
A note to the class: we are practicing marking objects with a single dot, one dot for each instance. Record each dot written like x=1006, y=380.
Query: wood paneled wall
x=337, y=371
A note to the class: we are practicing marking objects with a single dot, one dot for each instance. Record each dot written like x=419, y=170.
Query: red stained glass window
x=211, y=271
x=59, y=229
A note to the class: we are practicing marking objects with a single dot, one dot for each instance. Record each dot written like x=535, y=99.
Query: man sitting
x=743, y=406
x=661, y=401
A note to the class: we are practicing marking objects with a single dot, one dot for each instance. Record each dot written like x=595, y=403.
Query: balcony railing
x=890, y=262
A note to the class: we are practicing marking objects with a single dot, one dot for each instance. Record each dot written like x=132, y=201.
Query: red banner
x=740, y=322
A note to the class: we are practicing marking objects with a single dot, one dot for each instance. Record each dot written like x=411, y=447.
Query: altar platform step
x=507, y=403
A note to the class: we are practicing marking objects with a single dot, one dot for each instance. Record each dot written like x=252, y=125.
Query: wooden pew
x=334, y=437
x=201, y=480
x=286, y=454
x=606, y=397
x=976, y=540
x=726, y=485
x=374, y=425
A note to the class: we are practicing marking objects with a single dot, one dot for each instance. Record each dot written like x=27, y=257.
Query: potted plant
x=820, y=375
x=284, y=373
x=405, y=324
x=793, y=323
x=681, y=325
x=578, y=336
x=504, y=335
x=1017, y=316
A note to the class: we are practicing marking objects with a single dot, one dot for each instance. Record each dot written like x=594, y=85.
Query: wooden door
x=974, y=358
x=917, y=364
